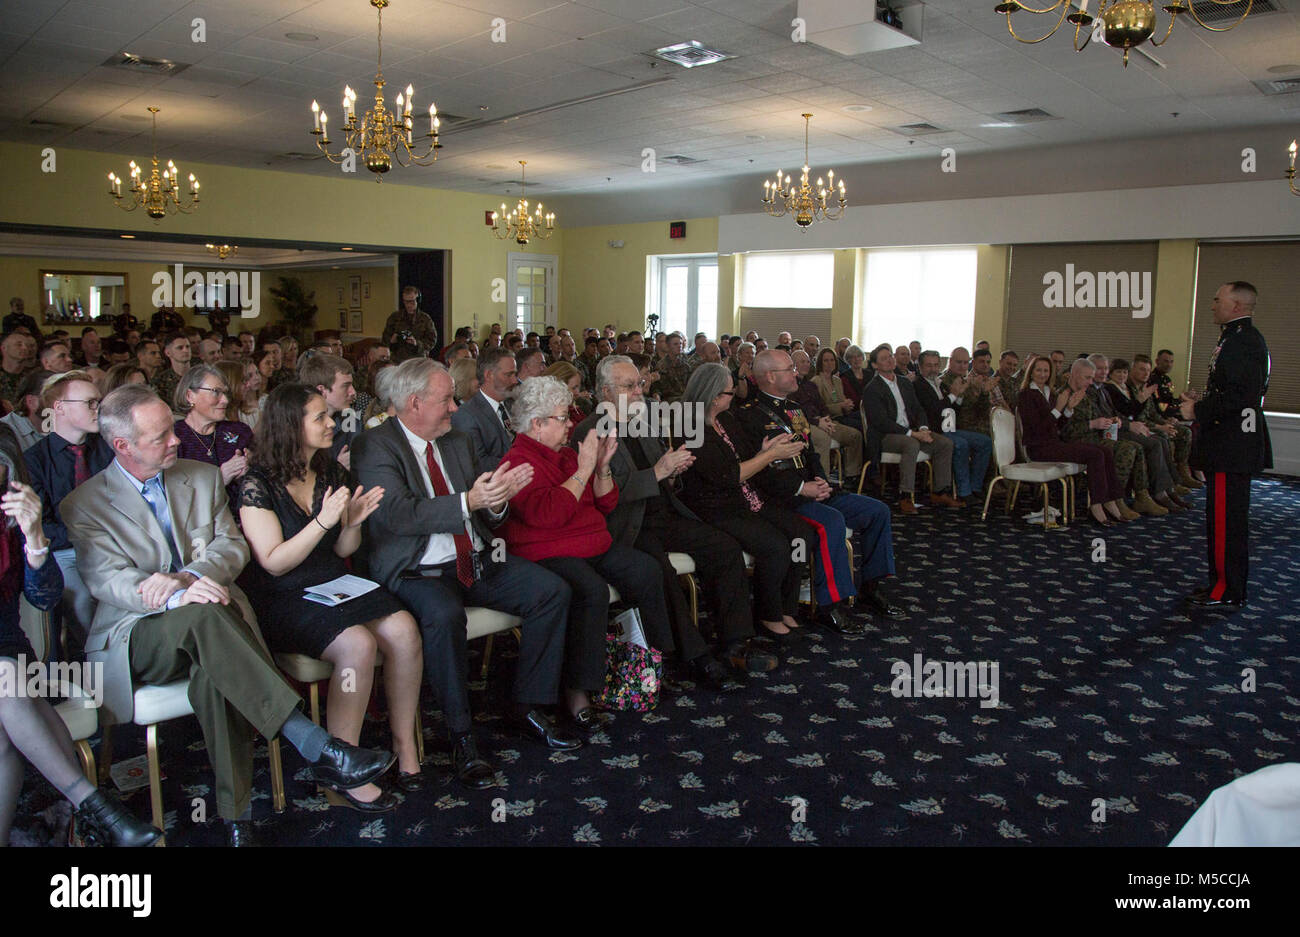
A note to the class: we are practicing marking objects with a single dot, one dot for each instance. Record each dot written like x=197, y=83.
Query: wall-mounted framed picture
x=365, y=290
x=340, y=296
x=356, y=323
x=343, y=320
x=354, y=288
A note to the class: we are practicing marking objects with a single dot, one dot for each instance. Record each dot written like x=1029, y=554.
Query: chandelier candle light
x=1121, y=24
x=519, y=224
x=159, y=194
x=779, y=197
x=381, y=136
x=1290, y=173
x=222, y=250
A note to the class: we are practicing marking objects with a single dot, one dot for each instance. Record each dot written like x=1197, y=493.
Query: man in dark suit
x=71, y=454
x=650, y=517
x=801, y=484
x=895, y=418
x=1231, y=442
x=971, y=451
x=432, y=546
x=485, y=417
x=159, y=551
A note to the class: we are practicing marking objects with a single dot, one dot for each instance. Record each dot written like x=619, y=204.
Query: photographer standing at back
x=412, y=320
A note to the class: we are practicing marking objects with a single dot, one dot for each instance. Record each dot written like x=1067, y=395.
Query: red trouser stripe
x=824, y=551
x=1220, y=535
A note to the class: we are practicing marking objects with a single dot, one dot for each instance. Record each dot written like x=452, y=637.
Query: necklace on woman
x=209, y=449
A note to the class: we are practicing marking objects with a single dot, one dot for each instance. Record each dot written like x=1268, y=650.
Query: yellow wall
x=600, y=284
x=1171, y=318
x=259, y=203
x=992, y=268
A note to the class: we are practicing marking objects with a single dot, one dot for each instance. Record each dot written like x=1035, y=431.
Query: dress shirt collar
x=1047, y=395
x=135, y=482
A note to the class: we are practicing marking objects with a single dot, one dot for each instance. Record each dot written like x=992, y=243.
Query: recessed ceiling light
x=755, y=137
x=302, y=37
x=129, y=237
x=345, y=248
x=856, y=108
x=1283, y=69
x=998, y=124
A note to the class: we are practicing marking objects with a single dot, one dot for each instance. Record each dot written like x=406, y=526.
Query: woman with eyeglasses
x=716, y=487
x=558, y=521
x=572, y=378
x=206, y=432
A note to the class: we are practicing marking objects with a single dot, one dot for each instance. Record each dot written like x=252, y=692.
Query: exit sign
x=677, y=229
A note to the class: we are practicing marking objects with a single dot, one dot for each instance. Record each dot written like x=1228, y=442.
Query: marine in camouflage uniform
x=1129, y=460
x=165, y=381
x=673, y=375
x=973, y=406
x=1181, y=440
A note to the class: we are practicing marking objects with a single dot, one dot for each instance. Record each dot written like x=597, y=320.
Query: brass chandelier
x=159, y=194
x=1121, y=24
x=381, y=137
x=519, y=224
x=1290, y=173
x=222, y=250
x=807, y=205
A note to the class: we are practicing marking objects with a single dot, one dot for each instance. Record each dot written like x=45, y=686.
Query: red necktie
x=80, y=468
x=464, y=566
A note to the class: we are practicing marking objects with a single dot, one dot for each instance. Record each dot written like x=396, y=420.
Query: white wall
x=1284, y=433
x=1225, y=210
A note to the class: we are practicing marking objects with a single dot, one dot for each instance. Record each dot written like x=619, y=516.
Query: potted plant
x=297, y=311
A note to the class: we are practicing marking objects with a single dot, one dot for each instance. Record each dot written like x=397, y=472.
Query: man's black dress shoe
x=101, y=820
x=343, y=766
x=471, y=770
x=241, y=833
x=834, y=619
x=1203, y=600
x=878, y=604
x=743, y=656
x=710, y=673
x=535, y=724
x=409, y=783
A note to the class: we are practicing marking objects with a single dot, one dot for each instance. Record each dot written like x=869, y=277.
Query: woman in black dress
x=29, y=726
x=716, y=487
x=301, y=522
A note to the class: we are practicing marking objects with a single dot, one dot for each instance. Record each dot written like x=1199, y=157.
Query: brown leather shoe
x=946, y=500
x=906, y=506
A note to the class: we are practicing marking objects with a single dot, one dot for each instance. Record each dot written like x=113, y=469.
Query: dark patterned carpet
x=1109, y=693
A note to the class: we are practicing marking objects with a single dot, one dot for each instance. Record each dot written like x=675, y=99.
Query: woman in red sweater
x=558, y=521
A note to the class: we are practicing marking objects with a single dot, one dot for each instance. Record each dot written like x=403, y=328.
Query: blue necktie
x=157, y=501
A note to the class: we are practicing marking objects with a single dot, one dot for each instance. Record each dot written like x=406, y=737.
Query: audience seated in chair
x=302, y=519
x=150, y=511
x=971, y=451
x=485, y=416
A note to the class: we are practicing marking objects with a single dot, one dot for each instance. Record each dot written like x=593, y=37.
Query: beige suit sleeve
x=224, y=556
x=108, y=571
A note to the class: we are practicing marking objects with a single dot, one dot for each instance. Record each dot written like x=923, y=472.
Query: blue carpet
x=1109, y=694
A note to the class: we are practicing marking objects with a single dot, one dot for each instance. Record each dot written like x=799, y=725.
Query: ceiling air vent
x=1210, y=12
x=1279, y=86
x=917, y=130
x=1030, y=115
x=680, y=160
x=690, y=54
x=291, y=156
x=129, y=61
x=45, y=124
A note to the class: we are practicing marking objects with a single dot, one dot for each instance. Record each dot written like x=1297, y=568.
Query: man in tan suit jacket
x=158, y=549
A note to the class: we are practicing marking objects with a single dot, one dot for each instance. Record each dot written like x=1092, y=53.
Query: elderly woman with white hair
x=558, y=521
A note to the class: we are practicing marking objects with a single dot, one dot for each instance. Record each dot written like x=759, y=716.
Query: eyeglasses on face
x=566, y=419
x=215, y=391
x=623, y=385
x=92, y=403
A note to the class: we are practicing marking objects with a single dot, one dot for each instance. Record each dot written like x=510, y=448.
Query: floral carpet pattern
x=1118, y=713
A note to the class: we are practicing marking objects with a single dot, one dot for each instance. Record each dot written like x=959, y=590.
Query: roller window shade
x=1080, y=297
x=1273, y=268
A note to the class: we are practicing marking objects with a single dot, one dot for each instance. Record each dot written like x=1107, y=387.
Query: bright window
x=684, y=294
x=804, y=280
x=926, y=295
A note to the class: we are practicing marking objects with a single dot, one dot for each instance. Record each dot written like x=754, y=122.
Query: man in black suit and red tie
x=1231, y=442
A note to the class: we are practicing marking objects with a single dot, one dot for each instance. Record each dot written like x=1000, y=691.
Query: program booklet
x=338, y=591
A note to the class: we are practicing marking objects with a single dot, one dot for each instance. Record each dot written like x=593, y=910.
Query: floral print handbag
x=633, y=672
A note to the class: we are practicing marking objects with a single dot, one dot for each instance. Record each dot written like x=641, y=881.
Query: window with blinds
x=1080, y=297
x=1273, y=268
x=922, y=295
